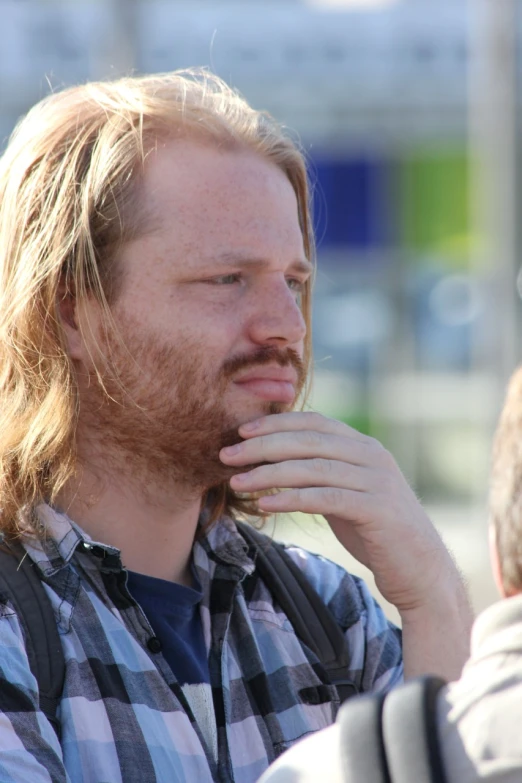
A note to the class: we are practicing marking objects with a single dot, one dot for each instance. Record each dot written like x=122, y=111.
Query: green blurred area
x=433, y=205
x=368, y=425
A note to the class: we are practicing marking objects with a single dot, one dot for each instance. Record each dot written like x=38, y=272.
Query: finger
x=346, y=503
x=299, y=444
x=302, y=473
x=299, y=420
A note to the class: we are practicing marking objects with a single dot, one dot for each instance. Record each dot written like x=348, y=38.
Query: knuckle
x=382, y=455
x=310, y=438
x=298, y=496
x=345, y=429
x=373, y=443
x=264, y=472
x=261, y=442
x=313, y=418
x=334, y=497
x=321, y=467
x=387, y=458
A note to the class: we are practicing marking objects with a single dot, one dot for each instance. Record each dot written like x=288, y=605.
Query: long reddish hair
x=68, y=188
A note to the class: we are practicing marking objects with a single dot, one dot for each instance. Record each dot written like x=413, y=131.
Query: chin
x=261, y=408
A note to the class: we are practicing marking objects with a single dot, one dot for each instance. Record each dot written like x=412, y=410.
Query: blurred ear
x=495, y=564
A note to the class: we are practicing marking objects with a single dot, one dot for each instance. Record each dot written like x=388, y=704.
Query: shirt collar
x=61, y=538
x=498, y=629
x=222, y=543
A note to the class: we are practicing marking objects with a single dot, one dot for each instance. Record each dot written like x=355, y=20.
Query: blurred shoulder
x=316, y=757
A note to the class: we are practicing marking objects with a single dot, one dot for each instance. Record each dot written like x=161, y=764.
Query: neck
x=153, y=524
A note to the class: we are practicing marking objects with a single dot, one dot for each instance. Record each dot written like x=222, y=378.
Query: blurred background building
x=407, y=112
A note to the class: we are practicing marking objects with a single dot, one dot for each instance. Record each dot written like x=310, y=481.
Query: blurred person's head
x=506, y=493
x=154, y=242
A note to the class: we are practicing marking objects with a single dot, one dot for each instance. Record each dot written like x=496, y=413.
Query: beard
x=158, y=410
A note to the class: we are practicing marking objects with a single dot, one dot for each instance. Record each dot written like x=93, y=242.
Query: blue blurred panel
x=350, y=206
x=443, y=328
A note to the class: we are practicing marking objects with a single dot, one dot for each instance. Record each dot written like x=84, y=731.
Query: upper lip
x=270, y=373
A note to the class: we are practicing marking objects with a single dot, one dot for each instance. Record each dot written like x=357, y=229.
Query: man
x=478, y=716
x=156, y=263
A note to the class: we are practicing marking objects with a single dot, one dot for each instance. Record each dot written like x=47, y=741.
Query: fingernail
x=231, y=450
x=240, y=477
x=250, y=426
x=267, y=501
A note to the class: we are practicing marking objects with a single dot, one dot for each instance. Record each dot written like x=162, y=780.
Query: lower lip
x=267, y=389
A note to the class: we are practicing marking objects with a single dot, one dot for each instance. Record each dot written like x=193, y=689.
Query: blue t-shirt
x=173, y=612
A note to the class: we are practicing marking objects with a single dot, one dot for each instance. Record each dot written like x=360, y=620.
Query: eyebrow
x=242, y=259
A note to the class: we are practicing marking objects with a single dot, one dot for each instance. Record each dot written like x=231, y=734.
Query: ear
x=67, y=312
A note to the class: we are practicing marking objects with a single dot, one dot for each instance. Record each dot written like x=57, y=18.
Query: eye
x=296, y=285
x=226, y=279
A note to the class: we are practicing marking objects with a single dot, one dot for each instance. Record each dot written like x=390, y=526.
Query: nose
x=277, y=318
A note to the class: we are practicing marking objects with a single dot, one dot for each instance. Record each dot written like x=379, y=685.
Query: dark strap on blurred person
x=393, y=738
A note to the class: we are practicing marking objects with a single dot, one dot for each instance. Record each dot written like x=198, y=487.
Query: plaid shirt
x=123, y=715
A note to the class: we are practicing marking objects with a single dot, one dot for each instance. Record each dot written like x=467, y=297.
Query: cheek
x=205, y=332
x=219, y=334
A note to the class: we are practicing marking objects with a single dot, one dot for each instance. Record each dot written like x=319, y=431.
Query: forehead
x=220, y=200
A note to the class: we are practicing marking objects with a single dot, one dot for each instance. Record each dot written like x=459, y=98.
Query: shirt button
x=154, y=644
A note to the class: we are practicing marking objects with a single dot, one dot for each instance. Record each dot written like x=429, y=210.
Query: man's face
x=208, y=311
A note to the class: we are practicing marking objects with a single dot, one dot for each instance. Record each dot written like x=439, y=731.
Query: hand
x=328, y=468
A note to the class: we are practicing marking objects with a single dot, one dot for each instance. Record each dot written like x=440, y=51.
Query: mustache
x=264, y=355
x=268, y=354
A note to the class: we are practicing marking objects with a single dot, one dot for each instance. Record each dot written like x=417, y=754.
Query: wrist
x=447, y=597
x=437, y=633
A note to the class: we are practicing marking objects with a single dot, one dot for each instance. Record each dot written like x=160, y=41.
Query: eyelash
x=299, y=284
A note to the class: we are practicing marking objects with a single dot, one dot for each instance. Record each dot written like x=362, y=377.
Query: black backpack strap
x=312, y=621
x=393, y=738
x=21, y=584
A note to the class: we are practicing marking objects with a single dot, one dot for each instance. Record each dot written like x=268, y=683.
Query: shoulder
x=346, y=595
x=479, y=718
x=375, y=643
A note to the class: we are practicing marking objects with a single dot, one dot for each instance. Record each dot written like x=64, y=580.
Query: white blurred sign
x=401, y=52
